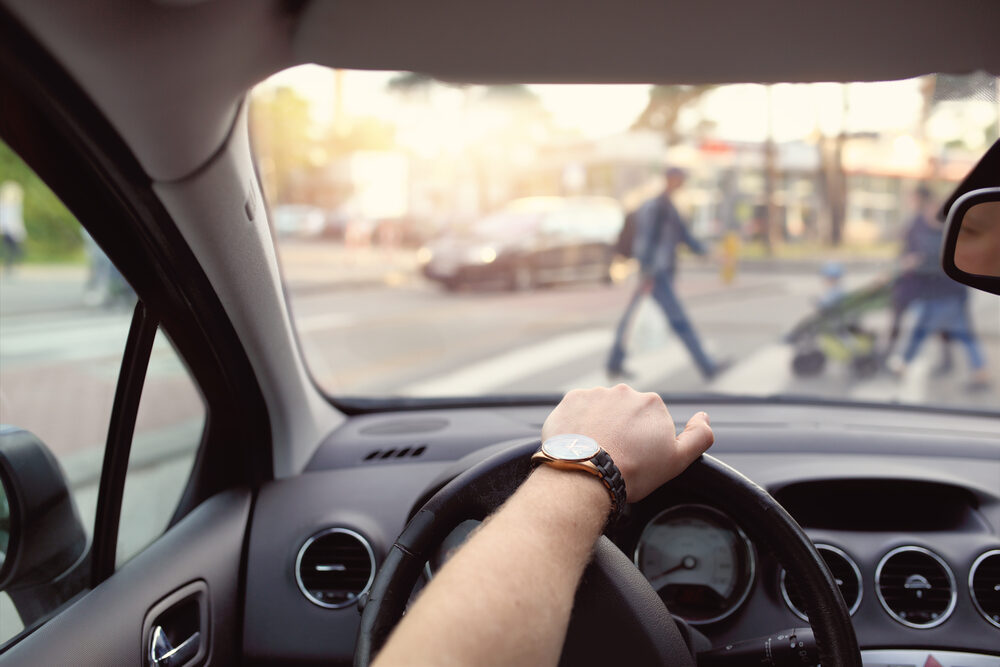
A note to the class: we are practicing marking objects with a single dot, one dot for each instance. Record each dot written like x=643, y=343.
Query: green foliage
x=53, y=232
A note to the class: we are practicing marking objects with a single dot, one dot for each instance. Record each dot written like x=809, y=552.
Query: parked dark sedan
x=529, y=242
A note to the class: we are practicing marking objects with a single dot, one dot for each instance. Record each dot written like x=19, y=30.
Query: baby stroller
x=834, y=332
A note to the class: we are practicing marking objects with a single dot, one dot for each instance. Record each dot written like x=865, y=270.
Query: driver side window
x=65, y=314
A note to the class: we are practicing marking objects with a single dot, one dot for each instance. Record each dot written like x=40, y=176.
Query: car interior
x=306, y=521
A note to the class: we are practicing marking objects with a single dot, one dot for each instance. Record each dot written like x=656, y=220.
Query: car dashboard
x=904, y=505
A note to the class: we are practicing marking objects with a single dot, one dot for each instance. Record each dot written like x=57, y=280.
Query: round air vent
x=915, y=586
x=335, y=567
x=844, y=570
x=984, y=584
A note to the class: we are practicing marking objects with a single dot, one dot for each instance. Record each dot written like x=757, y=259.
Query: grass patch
x=42, y=254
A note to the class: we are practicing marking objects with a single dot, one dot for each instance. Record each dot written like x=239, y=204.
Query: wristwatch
x=572, y=451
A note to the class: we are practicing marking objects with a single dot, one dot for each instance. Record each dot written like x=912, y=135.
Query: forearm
x=505, y=598
x=697, y=247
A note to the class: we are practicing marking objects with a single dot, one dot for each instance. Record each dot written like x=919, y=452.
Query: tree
x=53, y=232
x=665, y=106
x=283, y=139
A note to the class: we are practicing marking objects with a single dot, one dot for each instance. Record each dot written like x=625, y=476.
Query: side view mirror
x=43, y=546
x=971, y=250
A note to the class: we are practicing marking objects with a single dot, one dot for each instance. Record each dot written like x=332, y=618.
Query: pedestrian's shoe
x=979, y=382
x=720, y=367
x=977, y=386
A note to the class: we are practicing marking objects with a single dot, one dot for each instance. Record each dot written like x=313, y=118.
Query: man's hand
x=636, y=429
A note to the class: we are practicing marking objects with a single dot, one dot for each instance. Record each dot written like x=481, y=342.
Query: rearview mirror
x=971, y=251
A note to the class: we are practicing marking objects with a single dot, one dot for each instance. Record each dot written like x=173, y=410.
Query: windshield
x=444, y=240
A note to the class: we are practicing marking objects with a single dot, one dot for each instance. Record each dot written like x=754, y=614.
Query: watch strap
x=611, y=477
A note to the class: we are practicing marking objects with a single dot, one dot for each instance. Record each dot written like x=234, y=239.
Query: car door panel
x=106, y=625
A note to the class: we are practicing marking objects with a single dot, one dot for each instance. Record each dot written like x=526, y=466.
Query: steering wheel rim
x=481, y=489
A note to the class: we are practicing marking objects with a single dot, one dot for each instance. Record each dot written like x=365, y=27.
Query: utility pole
x=773, y=233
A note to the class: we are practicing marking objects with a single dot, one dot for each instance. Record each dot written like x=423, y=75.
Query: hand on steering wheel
x=636, y=430
x=615, y=605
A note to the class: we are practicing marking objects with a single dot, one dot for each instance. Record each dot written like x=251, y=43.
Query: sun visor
x=653, y=41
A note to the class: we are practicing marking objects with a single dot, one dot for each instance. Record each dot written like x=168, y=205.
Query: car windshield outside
x=460, y=240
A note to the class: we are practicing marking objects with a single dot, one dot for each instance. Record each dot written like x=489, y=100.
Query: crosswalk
x=766, y=371
x=657, y=360
x=492, y=375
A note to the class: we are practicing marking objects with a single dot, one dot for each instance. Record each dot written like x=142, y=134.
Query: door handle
x=176, y=631
x=162, y=652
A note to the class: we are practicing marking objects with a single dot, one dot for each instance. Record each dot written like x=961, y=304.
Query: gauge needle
x=687, y=563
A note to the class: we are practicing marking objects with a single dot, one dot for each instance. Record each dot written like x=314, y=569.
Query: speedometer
x=698, y=560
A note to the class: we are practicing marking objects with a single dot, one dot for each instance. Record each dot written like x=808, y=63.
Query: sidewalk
x=37, y=289
x=41, y=288
x=311, y=266
x=317, y=266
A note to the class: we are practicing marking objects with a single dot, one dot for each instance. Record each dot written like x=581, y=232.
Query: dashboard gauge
x=698, y=560
x=455, y=539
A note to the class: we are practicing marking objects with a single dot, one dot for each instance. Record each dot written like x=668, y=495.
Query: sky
x=578, y=107
x=738, y=112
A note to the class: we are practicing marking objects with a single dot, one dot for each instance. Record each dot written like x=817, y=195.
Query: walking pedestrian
x=942, y=307
x=907, y=286
x=11, y=224
x=659, y=230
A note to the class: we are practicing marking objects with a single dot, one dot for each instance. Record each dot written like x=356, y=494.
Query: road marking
x=764, y=373
x=912, y=387
x=648, y=368
x=492, y=374
x=654, y=354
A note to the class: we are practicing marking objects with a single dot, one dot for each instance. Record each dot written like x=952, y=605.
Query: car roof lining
x=173, y=87
x=654, y=41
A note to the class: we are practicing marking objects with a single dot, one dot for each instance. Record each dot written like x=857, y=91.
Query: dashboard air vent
x=844, y=570
x=984, y=584
x=395, y=453
x=335, y=567
x=915, y=586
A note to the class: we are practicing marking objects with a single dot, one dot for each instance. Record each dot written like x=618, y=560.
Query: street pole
x=772, y=235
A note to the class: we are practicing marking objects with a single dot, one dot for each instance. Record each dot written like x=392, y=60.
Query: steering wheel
x=617, y=615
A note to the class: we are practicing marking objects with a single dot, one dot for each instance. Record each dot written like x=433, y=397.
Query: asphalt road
x=59, y=365
x=417, y=340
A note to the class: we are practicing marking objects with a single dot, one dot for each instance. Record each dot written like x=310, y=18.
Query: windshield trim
x=362, y=405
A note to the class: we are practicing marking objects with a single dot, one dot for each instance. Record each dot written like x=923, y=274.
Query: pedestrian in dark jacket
x=659, y=229
x=942, y=306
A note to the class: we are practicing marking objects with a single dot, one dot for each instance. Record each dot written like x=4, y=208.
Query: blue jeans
x=663, y=294
x=949, y=316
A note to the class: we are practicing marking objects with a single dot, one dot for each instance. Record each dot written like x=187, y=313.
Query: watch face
x=571, y=447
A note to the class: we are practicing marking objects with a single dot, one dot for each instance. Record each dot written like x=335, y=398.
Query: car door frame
x=58, y=132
